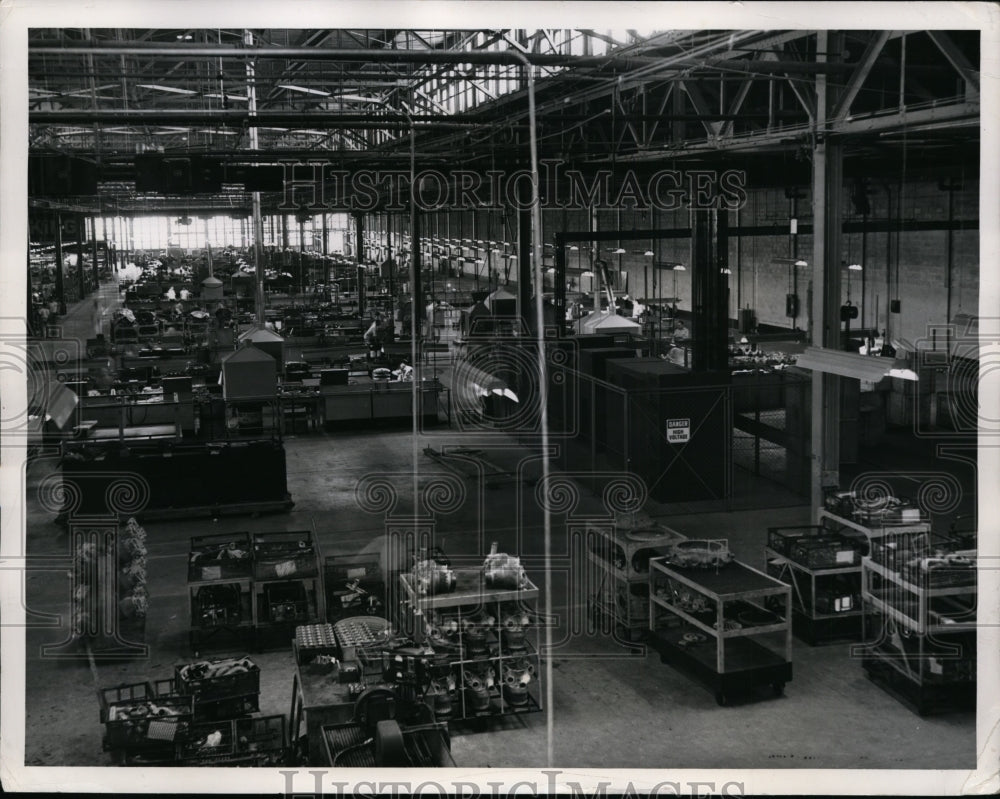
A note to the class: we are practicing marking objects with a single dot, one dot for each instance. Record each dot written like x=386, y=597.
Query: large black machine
x=400, y=719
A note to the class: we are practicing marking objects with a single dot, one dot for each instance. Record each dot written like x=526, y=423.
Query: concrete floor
x=610, y=708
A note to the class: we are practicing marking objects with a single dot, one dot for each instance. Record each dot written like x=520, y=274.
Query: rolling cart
x=728, y=625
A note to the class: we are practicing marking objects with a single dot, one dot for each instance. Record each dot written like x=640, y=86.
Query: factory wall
x=908, y=264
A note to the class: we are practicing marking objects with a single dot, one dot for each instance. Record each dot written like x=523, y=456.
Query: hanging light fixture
x=675, y=269
x=851, y=268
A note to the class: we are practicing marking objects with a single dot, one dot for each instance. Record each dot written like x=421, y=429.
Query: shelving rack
x=287, y=587
x=826, y=603
x=728, y=626
x=620, y=558
x=920, y=639
x=495, y=668
x=826, y=594
x=213, y=572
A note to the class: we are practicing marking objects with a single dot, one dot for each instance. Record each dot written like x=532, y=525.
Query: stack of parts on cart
x=203, y=715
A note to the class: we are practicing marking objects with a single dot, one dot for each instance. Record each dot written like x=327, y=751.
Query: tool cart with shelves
x=727, y=625
x=823, y=568
x=490, y=636
x=920, y=626
x=220, y=572
x=287, y=588
x=619, y=555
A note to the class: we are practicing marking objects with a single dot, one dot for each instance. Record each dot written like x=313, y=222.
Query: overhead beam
x=860, y=74
x=660, y=110
x=379, y=55
x=701, y=106
x=736, y=105
x=956, y=58
x=280, y=119
x=374, y=55
x=805, y=100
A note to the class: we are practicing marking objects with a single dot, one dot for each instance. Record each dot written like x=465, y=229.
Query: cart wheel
x=721, y=699
x=778, y=688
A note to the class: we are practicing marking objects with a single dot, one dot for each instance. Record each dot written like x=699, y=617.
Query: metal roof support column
x=81, y=221
x=827, y=190
x=709, y=303
x=525, y=276
x=359, y=226
x=258, y=221
x=560, y=285
x=93, y=251
x=60, y=296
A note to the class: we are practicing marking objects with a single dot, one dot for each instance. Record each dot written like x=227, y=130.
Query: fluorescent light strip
x=172, y=89
x=303, y=89
x=217, y=96
x=88, y=91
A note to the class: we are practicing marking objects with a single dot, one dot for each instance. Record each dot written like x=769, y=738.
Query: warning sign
x=678, y=431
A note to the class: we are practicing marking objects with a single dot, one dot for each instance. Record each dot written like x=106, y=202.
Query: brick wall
x=918, y=257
